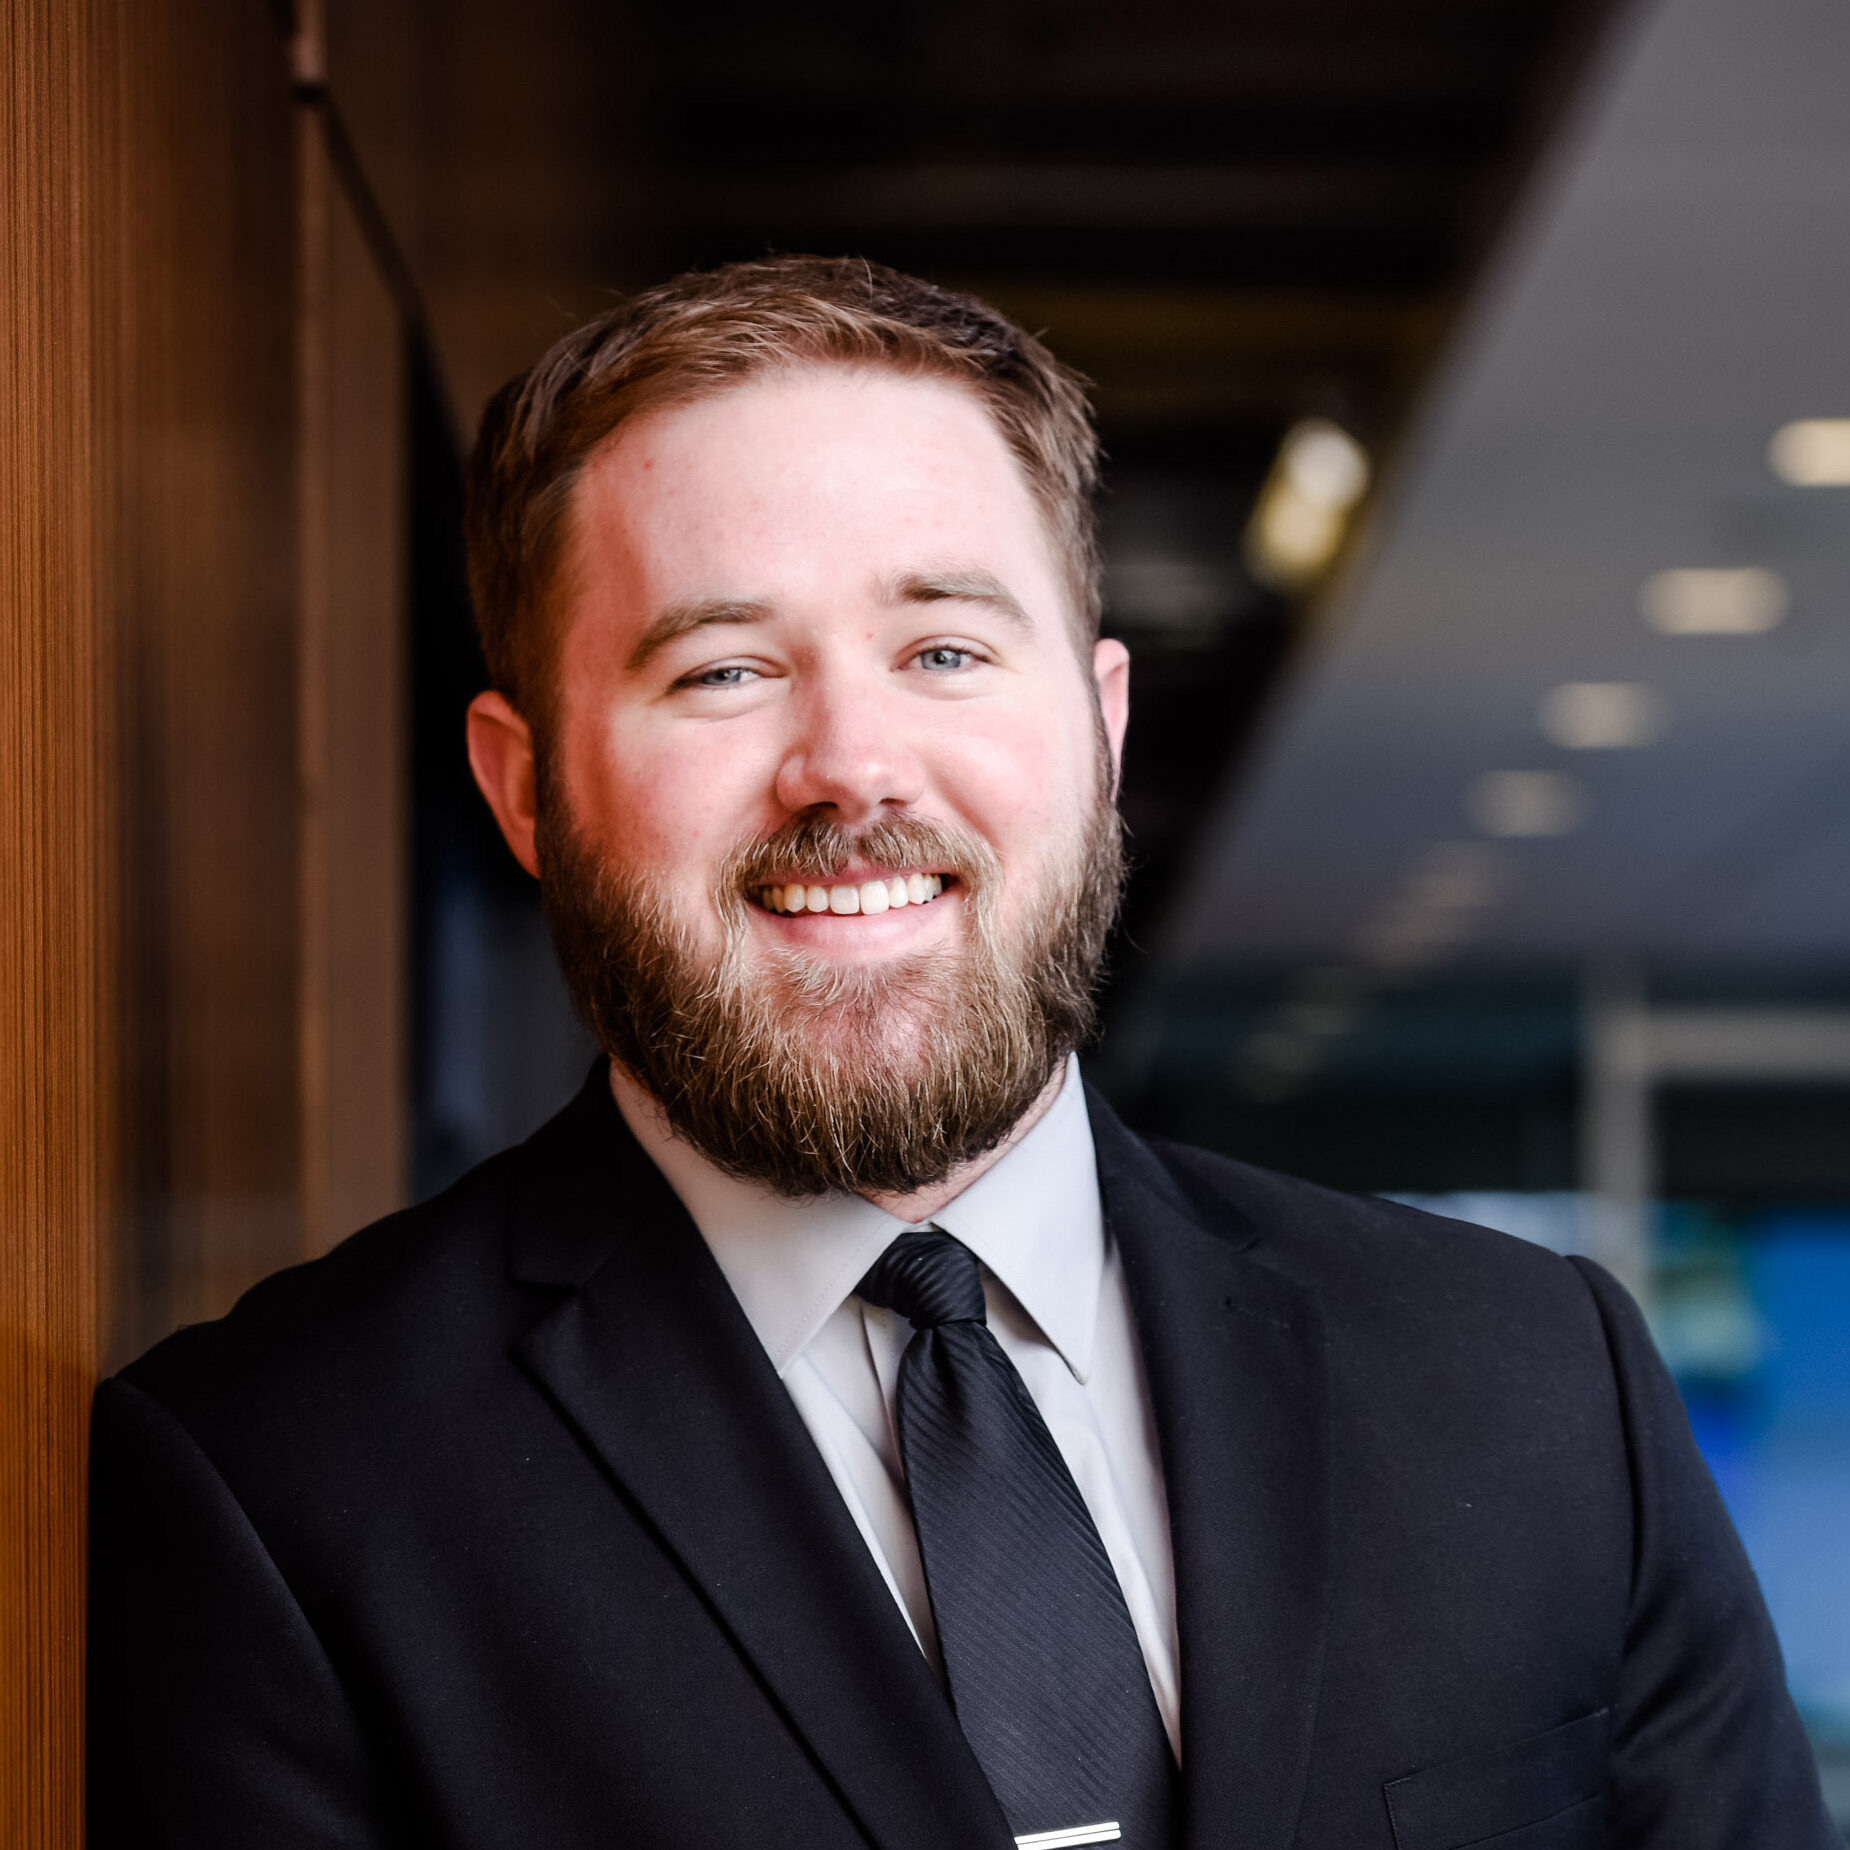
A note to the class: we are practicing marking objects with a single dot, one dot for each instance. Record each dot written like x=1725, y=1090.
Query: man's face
x=814, y=640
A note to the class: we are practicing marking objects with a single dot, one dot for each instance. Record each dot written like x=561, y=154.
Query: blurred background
x=1477, y=402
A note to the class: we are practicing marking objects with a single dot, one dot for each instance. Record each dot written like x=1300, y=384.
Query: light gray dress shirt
x=1057, y=1304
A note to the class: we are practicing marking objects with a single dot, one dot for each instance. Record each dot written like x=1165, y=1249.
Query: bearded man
x=835, y=1429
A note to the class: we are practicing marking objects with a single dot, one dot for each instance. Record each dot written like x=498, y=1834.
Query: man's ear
x=501, y=756
x=1111, y=668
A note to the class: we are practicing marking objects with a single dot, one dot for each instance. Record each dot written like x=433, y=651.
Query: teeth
x=871, y=896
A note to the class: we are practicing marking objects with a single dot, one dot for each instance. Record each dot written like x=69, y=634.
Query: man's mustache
x=815, y=848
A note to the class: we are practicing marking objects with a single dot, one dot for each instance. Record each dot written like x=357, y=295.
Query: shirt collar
x=1033, y=1218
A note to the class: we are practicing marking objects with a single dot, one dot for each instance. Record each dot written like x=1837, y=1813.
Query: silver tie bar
x=1071, y=1838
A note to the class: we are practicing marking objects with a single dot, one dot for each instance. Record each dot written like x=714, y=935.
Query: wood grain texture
x=355, y=829
x=151, y=803
x=201, y=730
x=205, y=540
x=57, y=892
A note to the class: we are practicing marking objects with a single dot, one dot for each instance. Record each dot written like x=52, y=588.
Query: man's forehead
x=878, y=444
x=711, y=512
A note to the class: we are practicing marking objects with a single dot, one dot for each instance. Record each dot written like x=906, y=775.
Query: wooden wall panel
x=376, y=58
x=57, y=893
x=150, y=801
x=204, y=466
x=202, y=813
x=354, y=702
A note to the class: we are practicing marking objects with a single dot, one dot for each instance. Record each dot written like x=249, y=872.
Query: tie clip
x=1071, y=1838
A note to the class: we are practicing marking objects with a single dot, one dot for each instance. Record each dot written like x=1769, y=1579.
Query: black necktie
x=1044, y=1666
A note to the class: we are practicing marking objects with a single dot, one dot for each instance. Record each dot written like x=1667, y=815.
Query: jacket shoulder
x=384, y=1297
x=1326, y=1238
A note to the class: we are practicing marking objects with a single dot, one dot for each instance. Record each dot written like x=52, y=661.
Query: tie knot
x=929, y=1278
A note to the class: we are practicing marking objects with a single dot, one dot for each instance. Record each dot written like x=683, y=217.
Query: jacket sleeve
x=216, y=1718
x=1708, y=1751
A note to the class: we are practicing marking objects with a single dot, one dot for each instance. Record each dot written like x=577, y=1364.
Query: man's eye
x=731, y=674
x=942, y=658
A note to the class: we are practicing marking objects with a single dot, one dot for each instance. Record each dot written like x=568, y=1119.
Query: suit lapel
x=653, y=1361
x=1235, y=1358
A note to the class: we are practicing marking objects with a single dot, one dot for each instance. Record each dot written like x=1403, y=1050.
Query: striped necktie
x=1044, y=1667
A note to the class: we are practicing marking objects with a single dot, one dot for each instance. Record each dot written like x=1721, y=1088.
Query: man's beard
x=813, y=1077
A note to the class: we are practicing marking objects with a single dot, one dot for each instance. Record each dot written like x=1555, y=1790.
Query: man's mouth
x=869, y=896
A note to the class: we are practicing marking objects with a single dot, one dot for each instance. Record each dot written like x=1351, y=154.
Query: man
x=835, y=1428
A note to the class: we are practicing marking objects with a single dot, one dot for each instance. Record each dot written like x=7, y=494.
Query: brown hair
x=706, y=331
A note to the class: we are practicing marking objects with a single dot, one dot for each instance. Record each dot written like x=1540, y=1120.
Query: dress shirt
x=1057, y=1304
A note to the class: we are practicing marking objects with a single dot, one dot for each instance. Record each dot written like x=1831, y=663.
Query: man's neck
x=927, y=1201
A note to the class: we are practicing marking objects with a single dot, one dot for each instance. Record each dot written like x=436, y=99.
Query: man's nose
x=852, y=753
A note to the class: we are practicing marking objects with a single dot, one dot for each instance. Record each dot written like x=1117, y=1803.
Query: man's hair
x=698, y=335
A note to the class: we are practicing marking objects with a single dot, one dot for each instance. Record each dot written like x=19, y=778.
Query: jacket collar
x=1235, y=1354
x=580, y=1181
x=653, y=1362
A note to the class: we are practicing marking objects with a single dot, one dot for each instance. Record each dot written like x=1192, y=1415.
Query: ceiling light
x=1738, y=601
x=1589, y=716
x=1303, y=510
x=1326, y=465
x=1535, y=803
x=1812, y=453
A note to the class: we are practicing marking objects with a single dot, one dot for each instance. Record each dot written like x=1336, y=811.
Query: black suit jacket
x=496, y=1528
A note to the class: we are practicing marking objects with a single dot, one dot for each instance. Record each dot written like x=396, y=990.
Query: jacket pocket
x=1543, y=1793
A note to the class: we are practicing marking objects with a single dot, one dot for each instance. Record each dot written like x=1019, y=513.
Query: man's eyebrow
x=965, y=585
x=698, y=613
